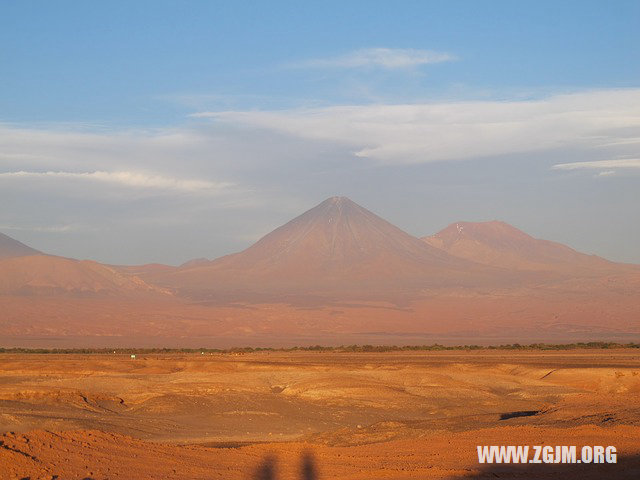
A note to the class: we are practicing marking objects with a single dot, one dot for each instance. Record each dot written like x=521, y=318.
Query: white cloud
x=389, y=58
x=128, y=179
x=600, y=165
x=114, y=164
x=418, y=133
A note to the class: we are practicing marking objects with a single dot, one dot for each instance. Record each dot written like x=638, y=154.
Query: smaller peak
x=486, y=229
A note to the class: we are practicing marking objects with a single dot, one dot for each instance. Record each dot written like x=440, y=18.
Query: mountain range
x=337, y=249
x=338, y=270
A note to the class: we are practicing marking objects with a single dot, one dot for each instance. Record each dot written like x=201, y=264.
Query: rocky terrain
x=356, y=415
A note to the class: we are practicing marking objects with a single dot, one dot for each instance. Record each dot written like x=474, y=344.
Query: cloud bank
x=600, y=165
x=128, y=179
x=419, y=133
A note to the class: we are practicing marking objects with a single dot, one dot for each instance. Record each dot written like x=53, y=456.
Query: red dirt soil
x=97, y=455
x=356, y=416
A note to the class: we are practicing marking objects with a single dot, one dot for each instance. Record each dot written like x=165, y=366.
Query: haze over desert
x=279, y=240
x=337, y=274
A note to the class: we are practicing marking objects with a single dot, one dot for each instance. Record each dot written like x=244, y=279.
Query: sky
x=135, y=132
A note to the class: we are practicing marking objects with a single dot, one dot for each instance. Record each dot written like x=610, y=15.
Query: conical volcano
x=337, y=247
x=338, y=238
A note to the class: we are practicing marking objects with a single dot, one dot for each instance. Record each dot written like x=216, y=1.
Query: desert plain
x=314, y=415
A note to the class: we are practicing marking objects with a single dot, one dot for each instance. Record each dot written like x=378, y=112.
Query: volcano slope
x=394, y=415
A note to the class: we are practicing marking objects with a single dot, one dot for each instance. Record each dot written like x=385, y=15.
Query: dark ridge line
x=338, y=349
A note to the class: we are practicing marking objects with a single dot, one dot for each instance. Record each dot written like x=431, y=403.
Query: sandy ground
x=313, y=415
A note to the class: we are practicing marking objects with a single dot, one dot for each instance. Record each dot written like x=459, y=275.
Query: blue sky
x=220, y=120
x=145, y=62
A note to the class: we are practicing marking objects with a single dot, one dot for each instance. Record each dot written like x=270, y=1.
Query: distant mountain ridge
x=27, y=271
x=499, y=244
x=50, y=275
x=336, y=247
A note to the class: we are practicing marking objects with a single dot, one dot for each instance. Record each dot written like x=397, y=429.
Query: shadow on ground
x=627, y=467
x=267, y=469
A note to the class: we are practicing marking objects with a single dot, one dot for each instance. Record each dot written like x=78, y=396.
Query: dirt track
x=391, y=415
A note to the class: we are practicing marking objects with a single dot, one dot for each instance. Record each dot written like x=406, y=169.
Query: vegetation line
x=320, y=348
